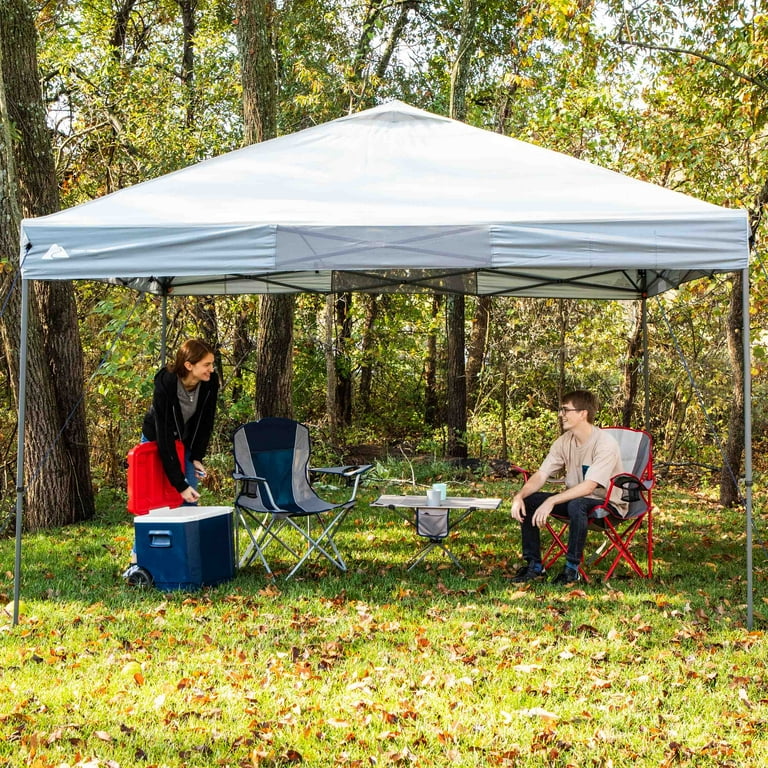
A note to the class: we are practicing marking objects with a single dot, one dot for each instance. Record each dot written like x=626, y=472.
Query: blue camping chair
x=275, y=501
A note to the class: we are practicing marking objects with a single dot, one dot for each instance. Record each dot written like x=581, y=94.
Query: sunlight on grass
x=380, y=666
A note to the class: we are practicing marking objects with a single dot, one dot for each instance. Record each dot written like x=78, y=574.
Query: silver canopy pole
x=20, y=445
x=163, y=328
x=747, y=437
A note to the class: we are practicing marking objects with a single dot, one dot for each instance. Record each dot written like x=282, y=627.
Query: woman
x=183, y=407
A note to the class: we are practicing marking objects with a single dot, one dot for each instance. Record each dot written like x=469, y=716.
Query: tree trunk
x=256, y=41
x=56, y=425
x=461, y=65
x=372, y=305
x=329, y=320
x=406, y=6
x=734, y=447
x=255, y=30
x=203, y=307
x=632, y=365
x=242, y=347
x=204, y=311
x=431, y=398
x=562, y=352
x=478, y=340
x=343, y=377
x=189, y=30
x=456, y=407
x=275, y=357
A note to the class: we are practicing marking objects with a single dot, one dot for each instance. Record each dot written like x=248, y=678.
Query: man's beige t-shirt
x=598, y=459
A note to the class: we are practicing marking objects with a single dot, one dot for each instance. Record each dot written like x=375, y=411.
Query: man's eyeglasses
x=568, y=410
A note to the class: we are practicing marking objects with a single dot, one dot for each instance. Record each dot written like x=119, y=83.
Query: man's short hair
x=584, y=401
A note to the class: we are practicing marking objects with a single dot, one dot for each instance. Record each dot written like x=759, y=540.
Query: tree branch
x=699, y=55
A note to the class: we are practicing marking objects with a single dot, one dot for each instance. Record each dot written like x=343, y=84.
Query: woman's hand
x=199, y=470
x=190, y=495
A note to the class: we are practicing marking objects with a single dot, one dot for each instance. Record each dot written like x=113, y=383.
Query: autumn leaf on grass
x=404, y=756
x=538, y=712
x=526, y=669
x=451, y=681
x=334, y=723
x=744, y=698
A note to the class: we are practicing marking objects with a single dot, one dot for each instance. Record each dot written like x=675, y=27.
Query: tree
x=456, y=406
x=56, y=432
x=274, y=362
x=713, y=55
x=632, y=365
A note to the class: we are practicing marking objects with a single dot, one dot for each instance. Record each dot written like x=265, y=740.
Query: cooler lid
x=181, y=514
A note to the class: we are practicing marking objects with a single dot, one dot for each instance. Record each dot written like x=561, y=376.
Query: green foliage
x=591, y=81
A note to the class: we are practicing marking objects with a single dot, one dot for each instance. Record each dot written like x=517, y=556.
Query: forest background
x=99, y=95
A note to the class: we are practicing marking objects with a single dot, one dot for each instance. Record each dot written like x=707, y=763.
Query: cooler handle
x=160, y=538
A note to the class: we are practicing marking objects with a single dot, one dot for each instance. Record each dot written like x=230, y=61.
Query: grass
x=384, y=667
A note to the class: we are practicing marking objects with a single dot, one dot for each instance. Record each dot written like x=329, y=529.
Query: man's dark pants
x=575, y=511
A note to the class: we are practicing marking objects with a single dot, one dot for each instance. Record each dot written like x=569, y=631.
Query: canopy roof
x=392, y=198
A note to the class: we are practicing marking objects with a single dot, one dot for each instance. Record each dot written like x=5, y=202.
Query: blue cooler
x=186, y=547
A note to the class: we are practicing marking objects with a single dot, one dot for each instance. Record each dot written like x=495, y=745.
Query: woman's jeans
x=575, y=511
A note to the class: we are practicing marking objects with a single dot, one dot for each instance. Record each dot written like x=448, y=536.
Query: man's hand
x=543, y=511
x=518, y=509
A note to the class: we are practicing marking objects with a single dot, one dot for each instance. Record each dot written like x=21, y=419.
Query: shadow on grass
x=699, y=554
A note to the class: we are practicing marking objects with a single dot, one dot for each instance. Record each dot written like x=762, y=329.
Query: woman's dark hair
x=191, y=351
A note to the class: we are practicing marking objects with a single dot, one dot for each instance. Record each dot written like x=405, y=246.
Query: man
x=590, y=458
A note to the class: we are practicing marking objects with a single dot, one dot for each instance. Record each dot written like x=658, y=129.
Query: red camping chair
x=636, y=484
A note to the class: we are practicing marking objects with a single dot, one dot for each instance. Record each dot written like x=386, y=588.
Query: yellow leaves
x=515, y=80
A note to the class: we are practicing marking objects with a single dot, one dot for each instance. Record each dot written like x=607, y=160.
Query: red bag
x=148, y=486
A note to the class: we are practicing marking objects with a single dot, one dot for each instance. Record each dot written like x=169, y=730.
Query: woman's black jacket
x=165, y=424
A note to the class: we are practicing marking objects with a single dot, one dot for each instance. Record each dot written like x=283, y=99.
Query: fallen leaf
x=538, y=712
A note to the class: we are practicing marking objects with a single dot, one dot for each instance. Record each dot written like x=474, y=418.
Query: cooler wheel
x=137, y=576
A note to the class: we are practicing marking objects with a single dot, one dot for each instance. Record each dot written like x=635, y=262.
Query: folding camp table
x=434, y=523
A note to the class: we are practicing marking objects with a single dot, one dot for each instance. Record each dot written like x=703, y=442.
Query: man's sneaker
x=529, y=572
x=567, y=576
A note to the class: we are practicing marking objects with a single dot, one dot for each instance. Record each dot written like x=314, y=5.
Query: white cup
x=433, y=497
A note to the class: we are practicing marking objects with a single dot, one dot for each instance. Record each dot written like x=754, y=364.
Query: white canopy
x=392, y=198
